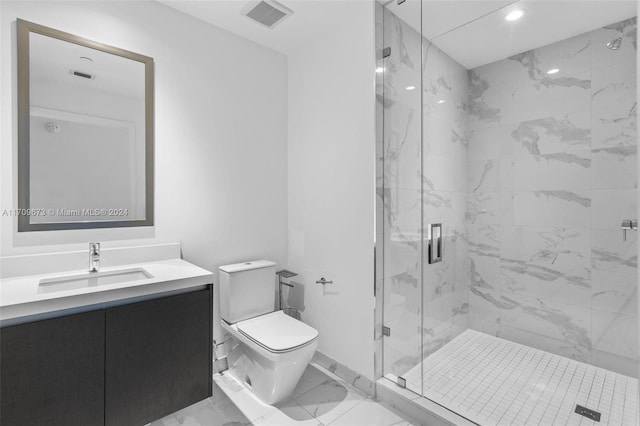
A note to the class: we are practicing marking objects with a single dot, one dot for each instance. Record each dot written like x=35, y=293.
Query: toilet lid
x=277, y=331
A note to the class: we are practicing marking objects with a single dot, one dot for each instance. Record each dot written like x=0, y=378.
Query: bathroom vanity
x=124, y=353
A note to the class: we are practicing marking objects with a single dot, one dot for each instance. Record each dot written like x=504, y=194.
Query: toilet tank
x=247, y=290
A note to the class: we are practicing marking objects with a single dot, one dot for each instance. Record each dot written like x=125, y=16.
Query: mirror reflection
x=87, y=136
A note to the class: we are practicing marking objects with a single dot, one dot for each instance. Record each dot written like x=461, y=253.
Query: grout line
x=494, y=381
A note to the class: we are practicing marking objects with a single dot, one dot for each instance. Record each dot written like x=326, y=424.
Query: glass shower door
x=400, y=192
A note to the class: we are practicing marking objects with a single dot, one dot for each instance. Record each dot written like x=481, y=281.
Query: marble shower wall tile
x=610, y=254
x=614, y=85
x=615, y=333
x=541, y=100
x=614, y=167
x=613, y=126
x=446, y=207
x=401, y=148
x=484, y=143
x=401, y=108
x=548, y=208
x=604, y=216
x=546, y=135
x=484, y=310
x=484, y=176
x=484, y=256
x=614, y=292
x=566, y=250
x=552, y=172
x=483, y=208
x=484, y=102
x=547, y=263
x=568, y=325
x=401, y=211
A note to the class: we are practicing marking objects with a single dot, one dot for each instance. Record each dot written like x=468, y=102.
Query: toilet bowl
x=269, y=353
x=268, y=350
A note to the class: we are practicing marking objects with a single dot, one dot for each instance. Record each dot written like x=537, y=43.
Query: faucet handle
x=628, y=225
x=94, y=257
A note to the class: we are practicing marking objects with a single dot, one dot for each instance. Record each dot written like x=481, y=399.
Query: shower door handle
x=434, y=246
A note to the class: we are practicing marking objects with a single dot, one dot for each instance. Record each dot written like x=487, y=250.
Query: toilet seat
x=277, y=332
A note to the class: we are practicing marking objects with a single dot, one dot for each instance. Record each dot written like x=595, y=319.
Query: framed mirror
x=85, y=133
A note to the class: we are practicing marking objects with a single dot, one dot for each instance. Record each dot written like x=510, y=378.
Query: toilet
x=268, y=350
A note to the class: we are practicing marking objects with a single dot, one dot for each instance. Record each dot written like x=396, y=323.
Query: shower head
x=616, y=43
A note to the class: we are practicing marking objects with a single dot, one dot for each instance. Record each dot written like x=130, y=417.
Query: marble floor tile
x=370, y=413
x=222, y=412
x=311, y=378
x=320, y=398
x=195, y=407
x=329, y=400
x=169, y=420
x=248, y=404
x=286, y=414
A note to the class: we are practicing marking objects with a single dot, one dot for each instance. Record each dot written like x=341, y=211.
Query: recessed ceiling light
x=514, y=15
x=553, y=71
x=379, y=69
x=411, y=87
x=441, y=101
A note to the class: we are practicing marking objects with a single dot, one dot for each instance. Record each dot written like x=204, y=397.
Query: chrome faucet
x=94, y=257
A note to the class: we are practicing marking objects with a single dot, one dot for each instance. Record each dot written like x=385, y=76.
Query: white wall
x=221, y=135
x=332, y=182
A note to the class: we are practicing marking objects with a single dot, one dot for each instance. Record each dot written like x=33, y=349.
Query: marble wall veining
x=552, y=173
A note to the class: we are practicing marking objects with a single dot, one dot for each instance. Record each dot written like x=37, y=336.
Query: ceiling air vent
x=266, y=12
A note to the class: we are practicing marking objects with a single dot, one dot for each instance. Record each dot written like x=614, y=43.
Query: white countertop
x=19, y=296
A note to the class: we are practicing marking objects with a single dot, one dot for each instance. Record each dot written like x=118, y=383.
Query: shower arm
x=628, y=30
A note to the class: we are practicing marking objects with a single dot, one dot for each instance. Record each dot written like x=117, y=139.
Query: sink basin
x=92, y=279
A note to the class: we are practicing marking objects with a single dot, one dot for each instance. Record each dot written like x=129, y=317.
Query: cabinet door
x=52, y=372
x=158, y=357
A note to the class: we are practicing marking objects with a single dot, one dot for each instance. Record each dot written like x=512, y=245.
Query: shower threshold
x=495, y=382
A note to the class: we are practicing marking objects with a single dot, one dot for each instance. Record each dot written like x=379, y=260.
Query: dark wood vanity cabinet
x=125, y=365
x=52, y=372
x=158, y=358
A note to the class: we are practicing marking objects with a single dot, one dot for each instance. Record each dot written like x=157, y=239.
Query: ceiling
x=473, y=32
x=310, y=19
